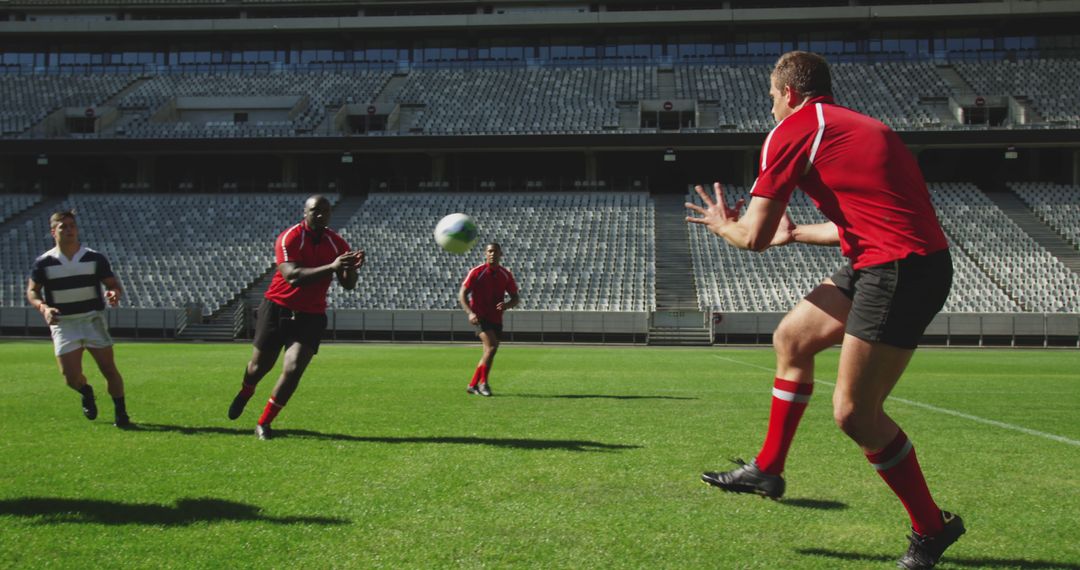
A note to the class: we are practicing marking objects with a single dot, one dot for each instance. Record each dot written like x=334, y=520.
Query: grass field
x=586, y=457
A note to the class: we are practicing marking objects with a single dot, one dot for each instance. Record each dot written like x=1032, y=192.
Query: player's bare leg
x=868, y=372
x=297, y=358
x=261, y=363
x=70, y=364
x=816, y=323
x=106, y=363
x=490, y=341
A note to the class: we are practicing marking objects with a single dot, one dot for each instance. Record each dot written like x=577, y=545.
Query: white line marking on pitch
x=947, y=411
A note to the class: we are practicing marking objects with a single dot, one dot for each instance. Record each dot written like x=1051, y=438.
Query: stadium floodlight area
x=574, y=251
x=1056, y=204
x=168, y=250
x=1011, y=259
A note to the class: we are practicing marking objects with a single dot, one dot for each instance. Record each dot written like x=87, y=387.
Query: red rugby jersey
x=859, y=174
x=300, y=245
x=488, y=285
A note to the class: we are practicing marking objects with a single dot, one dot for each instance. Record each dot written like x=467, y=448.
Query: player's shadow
x=594, y=397
x=952, y=560
x=52, y=510
x=819, y=504
x=515, y=443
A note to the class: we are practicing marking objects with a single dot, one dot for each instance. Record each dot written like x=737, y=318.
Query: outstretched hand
x=715, y=213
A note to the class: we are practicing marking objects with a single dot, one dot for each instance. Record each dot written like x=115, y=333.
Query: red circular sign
x=89, y=112
x=979, y=101
x=371, y=109
x=668, y=106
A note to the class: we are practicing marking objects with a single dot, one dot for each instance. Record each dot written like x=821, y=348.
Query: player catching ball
x=865, y=181
x=293, y=313
x=483, y=297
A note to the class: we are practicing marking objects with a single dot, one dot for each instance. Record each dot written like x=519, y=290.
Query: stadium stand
x=526, y=100
x=580, y=251
x=169, y=250
x=11, y=204
x=731, y=280
x=1045, y=82
x=530, y=100
x=1056, y=204
x=1030, y=275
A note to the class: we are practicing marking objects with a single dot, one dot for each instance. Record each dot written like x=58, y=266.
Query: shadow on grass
x=951, y=561
x=541, y=444
x=594, y=397
x=186, y=512
x=819, y=504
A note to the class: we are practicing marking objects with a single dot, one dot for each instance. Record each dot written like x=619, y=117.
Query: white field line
x=945, y=411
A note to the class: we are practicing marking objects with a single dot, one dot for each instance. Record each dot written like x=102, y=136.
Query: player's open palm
x=715, y=213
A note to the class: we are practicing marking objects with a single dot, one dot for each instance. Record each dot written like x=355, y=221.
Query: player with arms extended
x=71, y=275
x=293, y=313
x=865, y=181
x=483, y=297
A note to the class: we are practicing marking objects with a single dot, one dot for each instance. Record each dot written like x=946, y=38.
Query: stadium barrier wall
x=962, y=329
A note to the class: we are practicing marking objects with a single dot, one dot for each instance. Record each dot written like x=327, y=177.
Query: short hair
x=316, y=198
x=58, y=217
x=494, y=244
x=804, y=72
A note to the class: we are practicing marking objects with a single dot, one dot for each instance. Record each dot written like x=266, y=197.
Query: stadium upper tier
x=543, y=99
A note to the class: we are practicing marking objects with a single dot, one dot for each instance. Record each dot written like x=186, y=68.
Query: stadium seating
x=11, y=204
x=1012, y=260
x=732, y=280
x=568, y=251
x=168, y=250
x=528, y=100
x=1057, y=205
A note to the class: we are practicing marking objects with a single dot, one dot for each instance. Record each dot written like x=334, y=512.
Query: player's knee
x=73, y=379
x=853, y=421
x=789, y=342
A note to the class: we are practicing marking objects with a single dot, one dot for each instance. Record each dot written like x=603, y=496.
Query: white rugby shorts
x=86, y=330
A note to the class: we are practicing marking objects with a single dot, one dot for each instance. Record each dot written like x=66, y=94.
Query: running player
x=71, y=275
x=293, y=313
x=483, y=297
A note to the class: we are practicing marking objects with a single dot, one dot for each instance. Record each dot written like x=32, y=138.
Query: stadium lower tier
x=570, y=252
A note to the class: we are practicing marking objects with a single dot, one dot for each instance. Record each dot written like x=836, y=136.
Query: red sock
x=269, y=412
x=477, y=375
x=789, y=401
x=247, y=390
x=897, y=465
x=484, y=374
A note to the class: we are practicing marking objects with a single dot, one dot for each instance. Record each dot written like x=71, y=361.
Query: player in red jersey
x=483, y=297
x=865, y=181
x=293, y=313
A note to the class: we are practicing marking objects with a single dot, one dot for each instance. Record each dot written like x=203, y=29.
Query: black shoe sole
x=90, y=412
x=742, y=489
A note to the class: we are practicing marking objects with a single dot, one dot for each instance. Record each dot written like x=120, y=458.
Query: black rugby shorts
x=894, y=302
x=277, y=327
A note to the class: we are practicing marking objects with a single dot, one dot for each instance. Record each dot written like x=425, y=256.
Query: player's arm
x=514, y=301
x=33, y=296
x=463, y=300
x=347, y=276
x=113, y=290
x=755, y=230
x=296, y=275
x=816, y=234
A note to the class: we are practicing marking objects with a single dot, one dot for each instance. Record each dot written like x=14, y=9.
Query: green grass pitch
x=587, y=457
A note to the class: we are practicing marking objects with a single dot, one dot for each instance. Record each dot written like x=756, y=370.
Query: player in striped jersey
x=65, y=287
x=868, y=185
x=483, y=297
